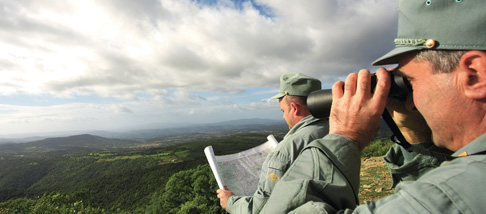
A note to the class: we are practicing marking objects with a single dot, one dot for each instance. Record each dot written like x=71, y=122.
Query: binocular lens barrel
x=319, y=102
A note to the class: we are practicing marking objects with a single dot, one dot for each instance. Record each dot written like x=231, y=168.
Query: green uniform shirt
x=277, y=163
x=456, y=186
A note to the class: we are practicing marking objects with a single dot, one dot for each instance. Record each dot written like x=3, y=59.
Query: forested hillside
x=100, y=175
x=92, y=174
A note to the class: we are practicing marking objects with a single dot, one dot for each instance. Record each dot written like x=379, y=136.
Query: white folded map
x=240, y=171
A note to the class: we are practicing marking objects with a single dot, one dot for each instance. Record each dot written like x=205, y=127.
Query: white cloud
x=119, y=47
x=165, y=52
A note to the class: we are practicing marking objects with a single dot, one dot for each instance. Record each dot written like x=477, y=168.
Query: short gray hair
x=442, y=61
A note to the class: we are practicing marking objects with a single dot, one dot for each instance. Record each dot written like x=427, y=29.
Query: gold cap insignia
x=430, y=43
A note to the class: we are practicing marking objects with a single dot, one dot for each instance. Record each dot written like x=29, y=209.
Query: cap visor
x=278, y=96
x=392, y=56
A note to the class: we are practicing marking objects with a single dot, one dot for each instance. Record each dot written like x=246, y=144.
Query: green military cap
x=438, y=25
x=297, y=85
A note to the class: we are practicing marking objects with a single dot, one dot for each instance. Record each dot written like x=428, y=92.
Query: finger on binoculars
x=337, y=89
x=350, y=84
x=383, y=85
x=364, y=82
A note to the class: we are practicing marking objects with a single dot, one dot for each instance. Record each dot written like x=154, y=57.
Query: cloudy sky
x=121, y=64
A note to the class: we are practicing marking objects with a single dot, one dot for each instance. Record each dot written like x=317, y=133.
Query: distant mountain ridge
x=209, y=128
x=146, y=133
x=84, y=142
x=100, y=139
x=96, y=141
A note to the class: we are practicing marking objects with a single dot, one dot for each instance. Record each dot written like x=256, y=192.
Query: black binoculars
x=319, y=102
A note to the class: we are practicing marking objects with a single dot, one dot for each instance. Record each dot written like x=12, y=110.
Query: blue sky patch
x=238, y=4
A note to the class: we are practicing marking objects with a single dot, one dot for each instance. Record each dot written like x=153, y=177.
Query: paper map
x=240, y=172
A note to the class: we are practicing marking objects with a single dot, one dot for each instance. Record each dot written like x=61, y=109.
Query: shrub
x=378, y=147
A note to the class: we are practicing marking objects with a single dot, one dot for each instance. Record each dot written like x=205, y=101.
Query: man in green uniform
x=304, y=128
x=440, y=49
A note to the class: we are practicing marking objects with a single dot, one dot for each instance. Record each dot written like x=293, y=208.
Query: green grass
x=160, y=154
x=31, y=148
x=104, y=154
x=182, y=154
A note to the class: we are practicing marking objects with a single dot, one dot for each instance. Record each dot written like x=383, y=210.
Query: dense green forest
x=90, y=174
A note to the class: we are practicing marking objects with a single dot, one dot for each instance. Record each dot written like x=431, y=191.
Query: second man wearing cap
x=304, y=128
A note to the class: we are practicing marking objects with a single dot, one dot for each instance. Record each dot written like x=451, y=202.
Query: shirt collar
x=476, y=146
x=302, y=123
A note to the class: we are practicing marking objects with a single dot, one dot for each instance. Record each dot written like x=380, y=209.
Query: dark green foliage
x=378, y=147
x=166, y=179
x=188, y=191
x=8, y=193
x=48, y=203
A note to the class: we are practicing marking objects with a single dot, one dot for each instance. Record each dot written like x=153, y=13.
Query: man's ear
x=473, y=74
x=295, y=107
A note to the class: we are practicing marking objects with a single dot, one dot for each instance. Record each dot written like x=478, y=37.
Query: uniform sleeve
x=239, y=204
x=327, y=171
x=411, y=197
x=246, y=204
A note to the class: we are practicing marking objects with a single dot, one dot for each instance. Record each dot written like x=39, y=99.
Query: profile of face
x=288, y=111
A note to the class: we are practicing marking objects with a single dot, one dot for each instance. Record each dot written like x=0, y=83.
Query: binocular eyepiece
x=319, y=102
